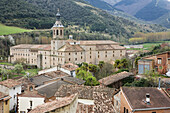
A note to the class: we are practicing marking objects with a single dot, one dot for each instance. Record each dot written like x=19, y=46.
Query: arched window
x=61, y=32
x=54, y=32
x=57, y=32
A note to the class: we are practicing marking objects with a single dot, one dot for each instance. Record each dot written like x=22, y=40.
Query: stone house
x=4, y=103
x=141, y=100
x=11, y=88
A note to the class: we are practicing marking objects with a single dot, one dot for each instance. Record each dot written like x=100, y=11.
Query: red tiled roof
x=137, y=95
x=10, y=83
x=114, y=78
x=2, y=95
x=70, y=66
x=59, y=103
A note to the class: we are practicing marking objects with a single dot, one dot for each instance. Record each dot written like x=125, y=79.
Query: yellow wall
x=6, y=107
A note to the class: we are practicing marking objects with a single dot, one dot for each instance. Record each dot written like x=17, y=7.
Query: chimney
x=70, y=36
x=147, y=99
x=159, y=85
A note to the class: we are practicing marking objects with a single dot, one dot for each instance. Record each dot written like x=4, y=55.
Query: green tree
x=91, y=81
x=101, y=63
x=18, y=68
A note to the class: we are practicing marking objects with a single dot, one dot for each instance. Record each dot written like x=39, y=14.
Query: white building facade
x=12, y=88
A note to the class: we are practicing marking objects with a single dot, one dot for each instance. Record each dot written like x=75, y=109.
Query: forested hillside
x=40, y=14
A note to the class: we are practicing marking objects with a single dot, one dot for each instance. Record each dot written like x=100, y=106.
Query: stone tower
x=58, y=28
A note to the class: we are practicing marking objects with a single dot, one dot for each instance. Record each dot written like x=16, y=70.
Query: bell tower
x=58, y=28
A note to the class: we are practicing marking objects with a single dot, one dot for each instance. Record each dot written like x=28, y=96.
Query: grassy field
x=6, y=30
x=149, y=46
x=6, y=63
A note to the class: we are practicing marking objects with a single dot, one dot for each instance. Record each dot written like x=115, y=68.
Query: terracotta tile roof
x=10, y=83
x=32, y=46
x=137, y=95
x=85, y=92
x=82, y=108
x=70, y=66
x=56, y=74
x=114, y=78
x=92, y=42
x=68, y=47
x=2, y=95
x=31, y=94
x=54, y=105
x=109, y=47
x=102, y=96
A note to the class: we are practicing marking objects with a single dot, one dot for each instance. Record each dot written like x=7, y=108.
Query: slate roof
x=54, y=105
x=73, y=80
x=10, y=83
x=50, y=89
x=136, y=97
x=40, y=79
x=114, y=78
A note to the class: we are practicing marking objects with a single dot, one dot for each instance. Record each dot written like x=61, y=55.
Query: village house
x=4, y=103
x=11, y=88
x=159, y=62
x=68, y=68
x=141, y=100
x=63, y=105
x=29, y=99
x=115, y=80
x=63, y=50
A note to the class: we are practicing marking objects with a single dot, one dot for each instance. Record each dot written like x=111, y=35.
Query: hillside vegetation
x=6, y=30
x=150, y=37
x=40, y=14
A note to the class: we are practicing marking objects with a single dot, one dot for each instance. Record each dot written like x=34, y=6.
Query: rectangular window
x=75, y=59
x=30, y=103
x=159, y=61
x=6, y=102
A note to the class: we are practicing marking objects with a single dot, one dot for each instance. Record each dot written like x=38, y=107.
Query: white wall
x=24, y=103
x=13, y=93
x=68, y=72
x=47, y=70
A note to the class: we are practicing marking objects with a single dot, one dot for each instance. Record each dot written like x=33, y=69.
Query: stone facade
x=62, y=51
